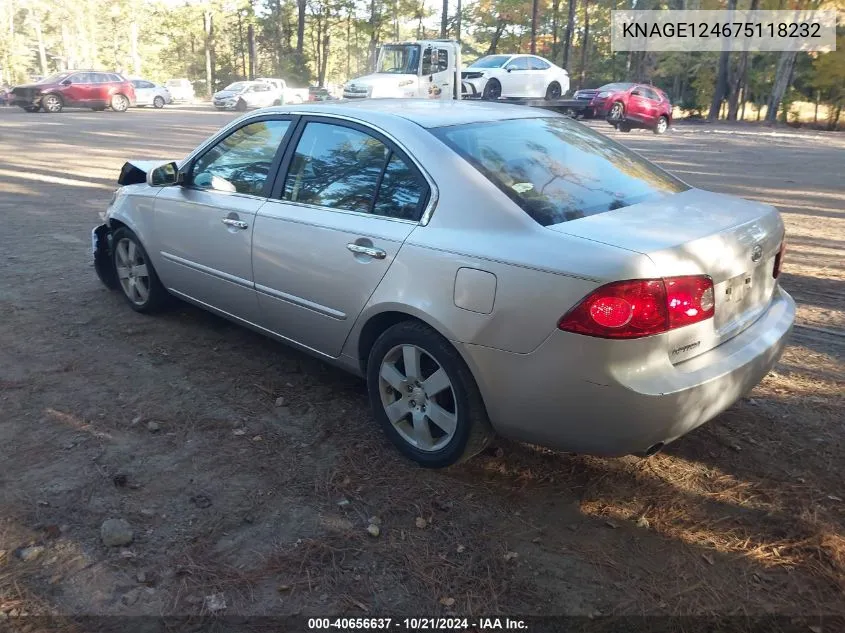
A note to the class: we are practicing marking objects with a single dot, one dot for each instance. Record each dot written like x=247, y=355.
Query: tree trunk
x=241, y=47
x=444, y=16
x=133, y=47
x=721, y=89
x=208, y=26
x=458, y=21
x=349, y=44
x=42, y=51
x=300, y=27
x=567, y=38
x=741, y=76
x=324, y=62
x=534, y=10
x=494, y=42
x=374, y=28
x=585, y=45
x=250, y=40
x=555, y=24
x=782, y=77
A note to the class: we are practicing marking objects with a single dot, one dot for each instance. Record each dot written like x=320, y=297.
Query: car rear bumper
x=543, y=397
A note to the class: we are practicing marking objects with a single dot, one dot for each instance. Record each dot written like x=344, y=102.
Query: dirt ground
x=170, y=423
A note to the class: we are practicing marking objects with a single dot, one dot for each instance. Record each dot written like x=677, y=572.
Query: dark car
x=316, y=93
x=629, y=105
x=78, y=88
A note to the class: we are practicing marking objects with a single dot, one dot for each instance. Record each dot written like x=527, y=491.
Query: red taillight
x=779, y=260
x=642, y=307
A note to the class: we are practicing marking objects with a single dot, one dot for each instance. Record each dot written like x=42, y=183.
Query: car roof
x=427, y=113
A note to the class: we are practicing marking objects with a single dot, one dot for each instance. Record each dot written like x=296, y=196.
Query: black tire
x=553, y=91
x=52, y=103
x=661, y=126
x=472, y=431
x=241, y=106
x=158, y=103
x=119, y=103
x=157, y=297
x=624, y=127
x=492, y=90
x=617, y=112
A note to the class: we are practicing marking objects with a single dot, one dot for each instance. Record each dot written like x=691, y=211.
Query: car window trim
x=390, y=143
x=273, y=171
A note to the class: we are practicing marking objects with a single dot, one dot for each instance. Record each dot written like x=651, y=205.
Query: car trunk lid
x=695, y=232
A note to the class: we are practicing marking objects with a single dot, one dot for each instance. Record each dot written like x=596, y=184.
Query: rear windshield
x=556, y=169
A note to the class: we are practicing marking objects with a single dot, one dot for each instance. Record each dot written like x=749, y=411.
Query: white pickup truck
x=286, y=95
x=418, y=68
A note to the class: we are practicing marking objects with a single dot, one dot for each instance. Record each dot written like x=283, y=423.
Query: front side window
x=558, y=170
x=520, y=63
x=344, y=168
x=240, y=163
x=648, y=93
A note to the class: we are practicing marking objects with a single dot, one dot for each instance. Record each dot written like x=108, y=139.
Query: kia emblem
x=756, y=253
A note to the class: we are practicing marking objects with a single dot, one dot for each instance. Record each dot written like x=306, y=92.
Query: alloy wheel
x=158, y=102
x=662, y=125
x=418, y=397
x=132, y=271
x=119, y=103
x=616, y=111
x=52, y=103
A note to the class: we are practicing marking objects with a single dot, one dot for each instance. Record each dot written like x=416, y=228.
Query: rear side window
x=344, y=168
x=648, y=93
x=535, y=63
x=558, y=170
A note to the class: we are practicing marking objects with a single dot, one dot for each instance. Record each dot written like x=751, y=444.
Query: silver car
x=149, y=93
x=243, y=95
x=486, y=267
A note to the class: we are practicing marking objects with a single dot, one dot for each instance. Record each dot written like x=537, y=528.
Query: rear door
x=538, y=76
x=348, y=201
x=204, y=228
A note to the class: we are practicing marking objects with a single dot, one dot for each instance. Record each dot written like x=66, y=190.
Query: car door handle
x=236, y=224
x=375, y=253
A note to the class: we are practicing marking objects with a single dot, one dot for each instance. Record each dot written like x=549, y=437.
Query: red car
x=80, y=88
x=630, y=105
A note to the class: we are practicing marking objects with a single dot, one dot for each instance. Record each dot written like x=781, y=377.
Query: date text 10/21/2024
x=418, y=624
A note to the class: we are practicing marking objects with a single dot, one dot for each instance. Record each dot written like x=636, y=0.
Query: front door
x=339, y=217
x=204, y=228
x=516, y=82
x=638, y=105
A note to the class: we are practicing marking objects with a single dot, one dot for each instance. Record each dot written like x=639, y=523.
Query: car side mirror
x=509, y=69
x=165, y=175
x=67, y=82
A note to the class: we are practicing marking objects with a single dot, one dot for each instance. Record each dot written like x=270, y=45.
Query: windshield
x=614, y=87
x=491, y=61
x=556, y=169
x=400, y=60
x=236, y=87
x=54, y=79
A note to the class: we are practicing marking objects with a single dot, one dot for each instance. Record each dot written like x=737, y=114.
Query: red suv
x=628, y=105
x=81, y=88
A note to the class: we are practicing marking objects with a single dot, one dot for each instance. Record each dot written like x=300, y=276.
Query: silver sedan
x=485, y=267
